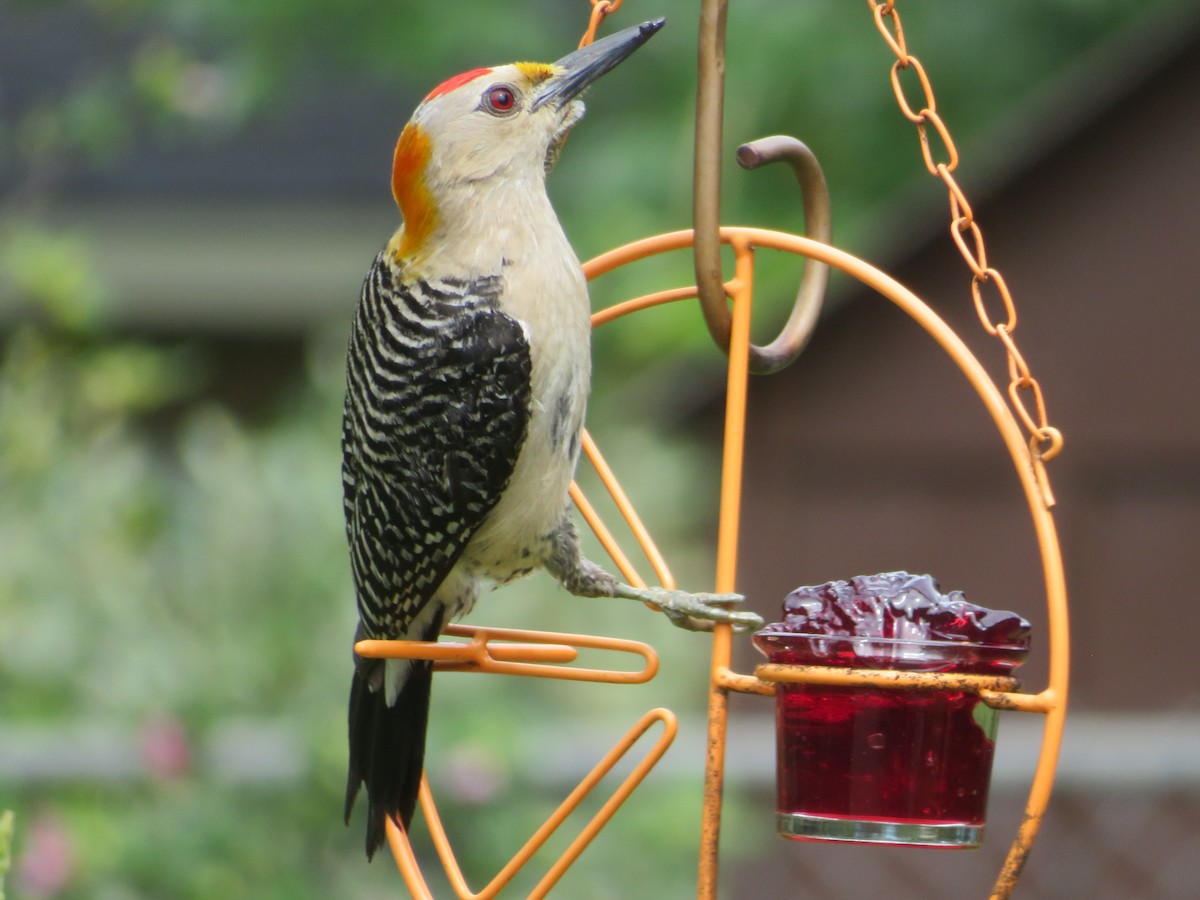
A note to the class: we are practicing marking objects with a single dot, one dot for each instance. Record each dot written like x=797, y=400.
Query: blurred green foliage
x=163, y=559
x=6, y=833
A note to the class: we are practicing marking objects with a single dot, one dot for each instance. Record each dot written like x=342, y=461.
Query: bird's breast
x=548, y=296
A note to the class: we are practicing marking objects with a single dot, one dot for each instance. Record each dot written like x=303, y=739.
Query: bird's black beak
x=585, y=65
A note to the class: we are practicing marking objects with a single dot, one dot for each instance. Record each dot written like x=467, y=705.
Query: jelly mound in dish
x=897, y=606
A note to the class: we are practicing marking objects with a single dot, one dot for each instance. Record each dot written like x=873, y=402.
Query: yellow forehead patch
x=536, y=72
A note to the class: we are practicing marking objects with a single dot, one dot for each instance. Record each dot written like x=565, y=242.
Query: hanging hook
x=706, y=205
x=810, y=296
x=706, y=179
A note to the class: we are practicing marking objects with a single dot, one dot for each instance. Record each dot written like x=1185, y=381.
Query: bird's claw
x=697, y=612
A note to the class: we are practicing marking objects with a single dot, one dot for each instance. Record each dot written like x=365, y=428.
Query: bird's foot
x=695, y=612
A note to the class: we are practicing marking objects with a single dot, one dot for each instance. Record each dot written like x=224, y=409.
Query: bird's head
x=506, y=123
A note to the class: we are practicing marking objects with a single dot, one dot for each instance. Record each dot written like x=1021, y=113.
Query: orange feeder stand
x=548, y=655
x=536, y=654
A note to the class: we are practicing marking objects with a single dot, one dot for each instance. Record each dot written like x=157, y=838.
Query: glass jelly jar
x=884, y=765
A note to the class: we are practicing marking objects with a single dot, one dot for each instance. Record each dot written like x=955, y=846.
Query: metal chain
x=600, y=10
x=1023, y=390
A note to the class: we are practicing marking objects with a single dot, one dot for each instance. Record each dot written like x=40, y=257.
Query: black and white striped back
x=437, y=406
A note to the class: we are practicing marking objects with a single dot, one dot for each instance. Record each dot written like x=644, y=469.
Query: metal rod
x=742, y=289
x=706, y=183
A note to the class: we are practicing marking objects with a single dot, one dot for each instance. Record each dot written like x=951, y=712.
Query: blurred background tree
x=189, y=194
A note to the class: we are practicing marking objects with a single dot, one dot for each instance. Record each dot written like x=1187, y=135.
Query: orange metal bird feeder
x=727, y=307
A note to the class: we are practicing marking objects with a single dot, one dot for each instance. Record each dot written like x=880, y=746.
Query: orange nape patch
x=410, y=190
x=457, y=81
x=536, y=72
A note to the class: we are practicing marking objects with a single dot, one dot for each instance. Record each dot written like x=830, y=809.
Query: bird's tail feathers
x=387, y=748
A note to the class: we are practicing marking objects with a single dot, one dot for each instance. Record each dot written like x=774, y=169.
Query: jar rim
x=888, y=642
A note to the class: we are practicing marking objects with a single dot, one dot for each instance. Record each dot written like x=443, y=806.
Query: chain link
x=600, y=10
x=1024, y=391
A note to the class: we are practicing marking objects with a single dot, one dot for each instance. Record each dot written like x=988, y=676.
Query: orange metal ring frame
x=543, y=655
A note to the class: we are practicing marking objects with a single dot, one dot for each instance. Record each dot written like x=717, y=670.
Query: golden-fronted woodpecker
x=467, y=376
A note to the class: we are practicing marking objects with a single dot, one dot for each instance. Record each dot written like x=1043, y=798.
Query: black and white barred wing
x=437, y=409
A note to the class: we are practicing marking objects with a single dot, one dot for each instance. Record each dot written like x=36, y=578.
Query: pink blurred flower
x=45, y=861
x=165, y=748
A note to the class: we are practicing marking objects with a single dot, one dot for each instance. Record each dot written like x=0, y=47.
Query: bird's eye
x=500, y=100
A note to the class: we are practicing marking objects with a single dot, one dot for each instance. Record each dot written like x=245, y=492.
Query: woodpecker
x=468, y=372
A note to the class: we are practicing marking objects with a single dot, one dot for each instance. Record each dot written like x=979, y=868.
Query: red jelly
x=875, y=764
